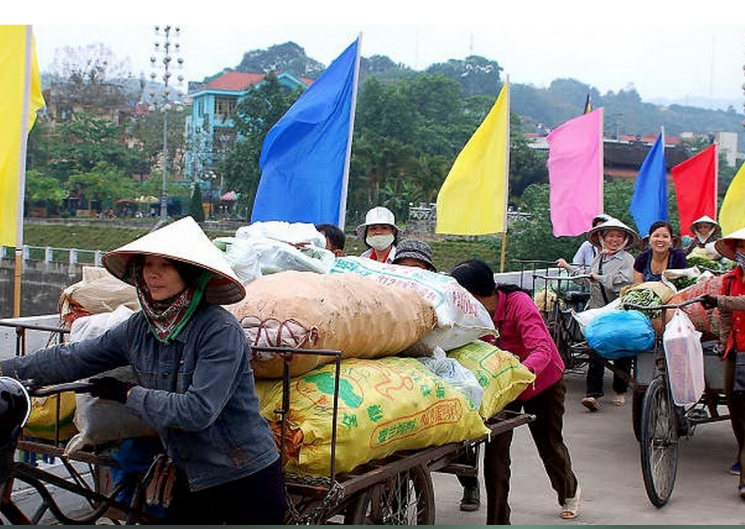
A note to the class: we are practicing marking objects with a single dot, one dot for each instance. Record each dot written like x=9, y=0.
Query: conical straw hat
x=726, y=245
x=184, y=241
x=612, y=224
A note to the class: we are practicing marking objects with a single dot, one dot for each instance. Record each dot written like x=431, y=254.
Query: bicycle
x=663, y=423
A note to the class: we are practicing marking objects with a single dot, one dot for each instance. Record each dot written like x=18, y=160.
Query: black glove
x=110, y=388
x=708, y=301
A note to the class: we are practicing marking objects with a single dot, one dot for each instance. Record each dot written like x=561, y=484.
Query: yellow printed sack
x=499, y=372
x=385, y=405
x=43, y=419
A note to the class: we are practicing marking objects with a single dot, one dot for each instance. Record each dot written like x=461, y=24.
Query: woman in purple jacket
x=522, y=331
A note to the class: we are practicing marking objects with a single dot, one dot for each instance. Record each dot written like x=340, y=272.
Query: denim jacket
x=205, y=410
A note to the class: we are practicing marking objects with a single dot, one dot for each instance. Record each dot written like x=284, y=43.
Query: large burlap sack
x=385, y=405
x=461, y=318
x=707, y=322
x=97, y=292
x=499, y=372
x=99, y=421
x=345, y=312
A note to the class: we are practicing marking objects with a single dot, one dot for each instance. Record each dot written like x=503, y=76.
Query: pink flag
x=575, y=173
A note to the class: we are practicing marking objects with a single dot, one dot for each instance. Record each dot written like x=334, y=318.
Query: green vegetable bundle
x=643, y=297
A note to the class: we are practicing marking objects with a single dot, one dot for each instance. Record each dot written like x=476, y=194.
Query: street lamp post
x=169, y=50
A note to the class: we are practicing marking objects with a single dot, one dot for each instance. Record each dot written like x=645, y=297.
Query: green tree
x=196, y=210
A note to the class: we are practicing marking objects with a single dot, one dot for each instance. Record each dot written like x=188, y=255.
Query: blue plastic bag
x=620, y=333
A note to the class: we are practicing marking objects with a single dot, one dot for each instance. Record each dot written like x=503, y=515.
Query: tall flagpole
x=503, y=256
x=22, y=173
x=345, y=176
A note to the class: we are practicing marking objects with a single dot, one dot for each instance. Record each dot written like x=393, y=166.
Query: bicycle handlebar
x=632, y=306
x=561, y=278
x=55, y=389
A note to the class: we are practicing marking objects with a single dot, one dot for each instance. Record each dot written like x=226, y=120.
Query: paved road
x=606, y=460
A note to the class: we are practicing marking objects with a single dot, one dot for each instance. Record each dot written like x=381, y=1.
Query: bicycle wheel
x=408, y=498
x=659, y=443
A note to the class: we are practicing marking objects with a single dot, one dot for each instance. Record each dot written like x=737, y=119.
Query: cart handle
x=55, y=389
x=562, y=278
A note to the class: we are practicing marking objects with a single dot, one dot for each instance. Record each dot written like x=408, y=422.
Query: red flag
x=696, y=187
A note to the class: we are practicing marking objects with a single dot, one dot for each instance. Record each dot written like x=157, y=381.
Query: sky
x=660, y=47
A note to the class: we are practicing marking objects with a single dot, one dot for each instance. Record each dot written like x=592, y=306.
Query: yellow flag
x=473, y=198
x=732, y=211
x=17, y=55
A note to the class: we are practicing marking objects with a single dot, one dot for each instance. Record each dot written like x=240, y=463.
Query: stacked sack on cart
x=413, y=372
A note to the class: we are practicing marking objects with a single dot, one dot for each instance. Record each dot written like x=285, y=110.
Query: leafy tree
x=103, y=185
x=281, y=57
x=196, y=210
x=477, y=75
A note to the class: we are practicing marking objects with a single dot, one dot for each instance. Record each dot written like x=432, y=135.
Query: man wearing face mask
x=380, y=234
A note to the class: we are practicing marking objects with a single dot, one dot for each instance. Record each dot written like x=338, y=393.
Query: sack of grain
x=385, y=405
x=344, y=312
x=97, y=292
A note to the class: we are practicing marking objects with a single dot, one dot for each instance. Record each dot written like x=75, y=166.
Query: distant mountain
x=703, y=102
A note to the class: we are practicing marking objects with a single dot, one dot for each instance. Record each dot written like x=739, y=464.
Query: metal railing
x=48, y=254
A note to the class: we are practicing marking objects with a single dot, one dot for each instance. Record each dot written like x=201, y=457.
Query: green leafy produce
x=702, y=262
x=683, y=282
x=643, y=297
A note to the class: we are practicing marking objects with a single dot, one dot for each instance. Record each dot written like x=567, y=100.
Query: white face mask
x=380, y=242
x=740, y=258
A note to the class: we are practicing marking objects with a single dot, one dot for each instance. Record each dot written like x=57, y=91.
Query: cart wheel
x=407, y=498
x=659, y=443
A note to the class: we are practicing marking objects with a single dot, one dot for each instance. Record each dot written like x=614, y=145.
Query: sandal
x=619, y=399
x=570, y=509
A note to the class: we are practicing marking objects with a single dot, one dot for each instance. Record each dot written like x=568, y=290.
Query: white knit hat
x=183, y=241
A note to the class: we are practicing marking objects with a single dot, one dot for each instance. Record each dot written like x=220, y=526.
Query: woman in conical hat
x=731, y=304
x=194, y=385
x=610, y=271
x=705, y=233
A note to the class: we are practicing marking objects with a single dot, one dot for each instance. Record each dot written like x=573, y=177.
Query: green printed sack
x=499, y=372
x=385, y=405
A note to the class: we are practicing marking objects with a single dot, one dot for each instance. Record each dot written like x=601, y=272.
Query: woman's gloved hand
x=110, y=388
x=708, y=301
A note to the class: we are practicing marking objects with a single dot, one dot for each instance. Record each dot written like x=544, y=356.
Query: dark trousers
x=736, y=407
x=260, y=498
x=596, y=372
x=546, y=430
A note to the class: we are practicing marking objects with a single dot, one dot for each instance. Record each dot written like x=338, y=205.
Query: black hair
x=334, y=234
x=189, y=273
x=656, y=225
x=475, y=276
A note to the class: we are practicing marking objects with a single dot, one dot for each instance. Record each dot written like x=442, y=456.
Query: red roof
x=235, y=81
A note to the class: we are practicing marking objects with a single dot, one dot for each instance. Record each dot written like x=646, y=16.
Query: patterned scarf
x=167, y=318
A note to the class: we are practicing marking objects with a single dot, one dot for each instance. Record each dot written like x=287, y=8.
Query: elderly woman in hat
x=380, y=234
x=731, y=304
x=610, y=271
x=194, y=384
x=705, y=231
x=413, y=252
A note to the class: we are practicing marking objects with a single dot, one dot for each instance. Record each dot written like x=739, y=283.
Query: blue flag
x=649, y=203
x=305, y=156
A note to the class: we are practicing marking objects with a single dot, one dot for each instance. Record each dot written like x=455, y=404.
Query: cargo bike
x=395, y=490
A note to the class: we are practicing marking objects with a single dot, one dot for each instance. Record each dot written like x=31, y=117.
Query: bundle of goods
x=263, y=248
x=499, y=373
x=345, y=312
x=680, y=278
x=620, y=333
x=705, y=321
x=461, y=318
x=97, y=292
x=385, y=405
x=99, y=421
x=648, y=294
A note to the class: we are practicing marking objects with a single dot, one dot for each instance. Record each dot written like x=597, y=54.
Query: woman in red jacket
x=522, y=331
x=732, y=313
